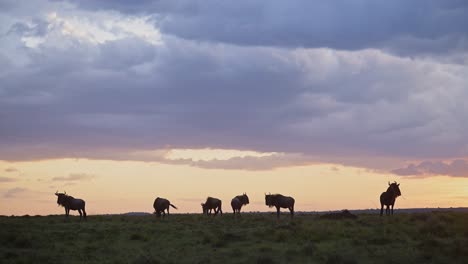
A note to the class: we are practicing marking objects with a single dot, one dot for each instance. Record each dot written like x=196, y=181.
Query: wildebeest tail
x=173, y=206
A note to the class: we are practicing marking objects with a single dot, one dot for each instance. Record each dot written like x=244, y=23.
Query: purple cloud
x=406, y=27
x=279, y=79
x=456, y=168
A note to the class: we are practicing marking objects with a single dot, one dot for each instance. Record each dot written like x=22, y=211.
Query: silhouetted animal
x=388, y=198
x=71, y=203
x=212, y=203
x=238, y=201
x=280, y=201
x=160, y=205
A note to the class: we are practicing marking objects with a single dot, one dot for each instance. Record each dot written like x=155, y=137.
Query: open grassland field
x=440, y=237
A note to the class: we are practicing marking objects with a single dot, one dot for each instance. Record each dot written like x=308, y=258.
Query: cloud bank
x=337, y=81
x=406, y=27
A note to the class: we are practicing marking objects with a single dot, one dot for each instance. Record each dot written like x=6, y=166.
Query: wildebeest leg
x=392, y=209
x=84, y=213
x=167, y=210
x=81, y=214
x=277, y=212
x=291, y=209
x=164, y=213
x=381, y=209
x=219, y=210
x=387, y=210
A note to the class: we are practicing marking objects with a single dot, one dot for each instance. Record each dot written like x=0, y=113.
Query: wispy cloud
x=14, y=192
x=7, y=179
x=268, y=162
x=455, y=168
x=11, y=169
x=74, y=177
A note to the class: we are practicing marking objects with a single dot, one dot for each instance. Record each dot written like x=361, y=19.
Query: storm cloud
x=402, y=26
x=368, y=80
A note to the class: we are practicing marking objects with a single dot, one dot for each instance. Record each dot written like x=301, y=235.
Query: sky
x=120, y=102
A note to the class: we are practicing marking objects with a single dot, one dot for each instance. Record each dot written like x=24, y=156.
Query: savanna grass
x=440, y=237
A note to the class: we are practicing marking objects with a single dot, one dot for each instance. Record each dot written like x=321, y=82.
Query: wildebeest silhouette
x=238, y=201
x=280, y=201
x=160, y=205
x=388, y=198
x=70, y=203
x=212, y=203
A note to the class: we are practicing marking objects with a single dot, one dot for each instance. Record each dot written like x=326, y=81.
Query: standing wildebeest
x=160, y=205
x=280, y=201
x=388, y=198
x=71, y=203
x=238, y=201
x=212, y=203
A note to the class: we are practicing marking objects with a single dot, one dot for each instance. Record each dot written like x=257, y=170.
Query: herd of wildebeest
x=213, y=205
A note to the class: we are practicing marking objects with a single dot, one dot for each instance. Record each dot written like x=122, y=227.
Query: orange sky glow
x=131, y=186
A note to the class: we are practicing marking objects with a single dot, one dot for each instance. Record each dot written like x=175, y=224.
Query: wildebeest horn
x=398, y=184
x=389, y=184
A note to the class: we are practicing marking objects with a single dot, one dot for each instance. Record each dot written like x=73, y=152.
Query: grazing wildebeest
x=212, y=203
x=160, y=205
x=280, y=201
x=388, y=198
x=71, y=203
x=238, y=201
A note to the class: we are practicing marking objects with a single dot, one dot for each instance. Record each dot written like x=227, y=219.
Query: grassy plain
x=439, y=237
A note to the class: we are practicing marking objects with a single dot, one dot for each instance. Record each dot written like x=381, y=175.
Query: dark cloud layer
x=246, y=76
x=437, y=26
